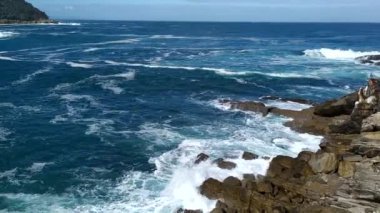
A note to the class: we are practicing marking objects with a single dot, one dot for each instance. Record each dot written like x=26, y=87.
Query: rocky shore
x=343, y=176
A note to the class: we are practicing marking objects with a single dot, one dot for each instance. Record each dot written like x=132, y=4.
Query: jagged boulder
x=362, y=111
x=342, y=106
x=225, y=164
x=232, y=181
x=372, y=123
x=201, y=157
x=249, y=156
x=324, y=162
x=369, y=59
x=211, y=188
x=251, y=106
x=344, y=125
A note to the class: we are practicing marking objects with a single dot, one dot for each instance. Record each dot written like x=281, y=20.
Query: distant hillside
x=20, y=11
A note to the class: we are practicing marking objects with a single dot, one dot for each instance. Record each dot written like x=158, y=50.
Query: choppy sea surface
x=110, y=116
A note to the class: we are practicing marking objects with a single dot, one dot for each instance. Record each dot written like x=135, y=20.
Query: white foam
x=112, y=84
x=287, y=105
x=74, y=98
x=32, y=76
x=4, y=133
x=7, y=34
x=219, y=71
x=69, y=24
x=6, y=58
x=38, y=167
x=79, y=65
x=337, y=54
x=93, y=49
x=288, y=75
x=8, y=174
x=168, y=37
x=26, y=108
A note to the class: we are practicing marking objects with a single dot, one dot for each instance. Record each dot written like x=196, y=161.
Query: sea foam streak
x=79, y=65
x=337, y=54
x=220, y=71
x=6, y=58
x=31, y=76
x=7, y=34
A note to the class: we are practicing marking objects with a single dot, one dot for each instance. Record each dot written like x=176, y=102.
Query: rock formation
x=343, y=176
x=20, y=11
x=369, y=59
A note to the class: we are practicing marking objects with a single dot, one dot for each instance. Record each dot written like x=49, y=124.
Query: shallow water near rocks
x=110, y=116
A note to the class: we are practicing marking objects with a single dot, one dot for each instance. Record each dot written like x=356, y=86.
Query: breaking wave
x=79, y=65
x=337, y=54
x=7, y=34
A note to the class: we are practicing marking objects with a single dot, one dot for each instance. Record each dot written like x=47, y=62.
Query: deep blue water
x=109, y=116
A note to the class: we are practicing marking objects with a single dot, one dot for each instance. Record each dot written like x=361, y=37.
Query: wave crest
x=337, y=54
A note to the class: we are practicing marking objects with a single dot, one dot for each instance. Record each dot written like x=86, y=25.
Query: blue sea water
x=100, y=116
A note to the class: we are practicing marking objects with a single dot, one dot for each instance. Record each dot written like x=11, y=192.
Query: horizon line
x=205, y=21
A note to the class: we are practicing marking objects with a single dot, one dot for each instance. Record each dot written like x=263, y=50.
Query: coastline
x=342, y=176
x=22, y=22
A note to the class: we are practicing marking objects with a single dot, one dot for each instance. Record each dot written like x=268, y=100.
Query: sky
x=214, y=10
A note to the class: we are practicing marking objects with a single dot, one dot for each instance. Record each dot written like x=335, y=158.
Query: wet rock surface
x=343, y=176
x=369, y=59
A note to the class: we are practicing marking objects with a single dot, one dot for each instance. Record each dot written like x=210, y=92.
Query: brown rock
x=342, y=106
x=201, y=157
x=323, y=162
x=305, y=155
x=372, y=123
x=264, y=187
x=231, y=181
x=372, y=153
x=249, y=156
x=211, y=188
x=344, y=125
x=249, y=182
x=225, y=164
x=346, y=169
x=188, y=211
x=352, y=158
x=362, y=111
x=251, y=106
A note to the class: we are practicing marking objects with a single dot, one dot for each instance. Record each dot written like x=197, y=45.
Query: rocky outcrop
x=343, y=176
x=341, y=181
x=371, y=124
x=333, y=108
x=20, y=11
x=369, y=59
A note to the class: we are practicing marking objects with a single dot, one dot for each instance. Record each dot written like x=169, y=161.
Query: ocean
x=108, y=116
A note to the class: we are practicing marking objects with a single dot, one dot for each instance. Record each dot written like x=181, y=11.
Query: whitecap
x=32, y=76
x=93, y=49
x=4, y=133
x=287, y=105
x=38, y=167
x=6, y=58
x=219, y=71
x=287, y=75
x=8, y=174
x=26, y=108
x=75, y=98
x=79, y=65
x=69, y=23
x=7, y=34
x=337, y=54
